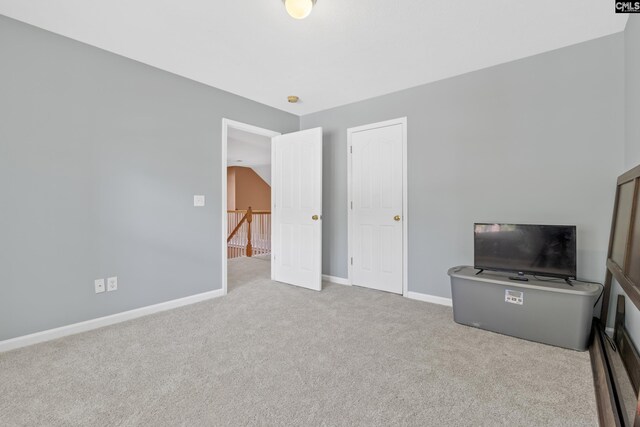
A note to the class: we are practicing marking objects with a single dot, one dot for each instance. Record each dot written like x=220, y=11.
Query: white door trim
x=226, y=124
x=405, y=211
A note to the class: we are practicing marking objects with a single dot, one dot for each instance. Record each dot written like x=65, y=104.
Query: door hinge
x=352, y=204
x=351, y=260
x=351, y=149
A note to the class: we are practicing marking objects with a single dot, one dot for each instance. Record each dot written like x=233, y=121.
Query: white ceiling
x=250, y=148
x=344, y=52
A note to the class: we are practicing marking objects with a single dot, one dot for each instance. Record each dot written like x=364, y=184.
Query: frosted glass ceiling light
x=299, y=9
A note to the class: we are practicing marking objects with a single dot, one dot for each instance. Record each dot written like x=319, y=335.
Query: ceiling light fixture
x=299, y=9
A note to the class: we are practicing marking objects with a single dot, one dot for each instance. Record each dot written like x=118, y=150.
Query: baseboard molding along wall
x=429, y=298
x=88, y=325
x=334, y=279
x=411, y=295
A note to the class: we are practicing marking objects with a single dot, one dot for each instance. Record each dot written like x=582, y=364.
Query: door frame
x=405, y=217
x=226, y=124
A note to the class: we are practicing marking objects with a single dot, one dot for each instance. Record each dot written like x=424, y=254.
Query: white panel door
x=297, y=208
x=376, y=214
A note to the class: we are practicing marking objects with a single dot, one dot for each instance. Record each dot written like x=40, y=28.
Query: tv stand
x=545, y=311
x=480, y=271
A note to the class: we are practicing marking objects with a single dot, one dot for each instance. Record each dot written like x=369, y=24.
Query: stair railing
x=248, y=217
x=250, y=233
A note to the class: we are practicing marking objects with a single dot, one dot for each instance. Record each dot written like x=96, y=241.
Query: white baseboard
x=334, y=279
x=76, y=328
x=411, y=295
x=429, y=298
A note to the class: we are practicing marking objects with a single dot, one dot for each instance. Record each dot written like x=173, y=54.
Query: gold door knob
x=315, y=217
x=396, y=218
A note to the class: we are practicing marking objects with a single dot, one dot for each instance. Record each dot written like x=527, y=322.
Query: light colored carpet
x=273, y=354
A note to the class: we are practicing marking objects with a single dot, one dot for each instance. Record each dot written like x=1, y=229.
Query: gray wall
x=100, y=157
x=539, y=140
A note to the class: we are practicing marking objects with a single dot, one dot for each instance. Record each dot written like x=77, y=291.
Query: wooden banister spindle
x=249, y=219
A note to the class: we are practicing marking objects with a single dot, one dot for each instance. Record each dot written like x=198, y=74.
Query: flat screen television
x=545, y=250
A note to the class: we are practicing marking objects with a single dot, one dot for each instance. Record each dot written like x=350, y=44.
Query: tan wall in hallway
x=231, y=189
x=248, y=190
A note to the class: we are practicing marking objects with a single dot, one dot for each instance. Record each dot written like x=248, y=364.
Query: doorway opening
x=246, y=202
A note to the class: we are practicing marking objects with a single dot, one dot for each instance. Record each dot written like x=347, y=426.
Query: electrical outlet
x=112, y=284
x=99, y=286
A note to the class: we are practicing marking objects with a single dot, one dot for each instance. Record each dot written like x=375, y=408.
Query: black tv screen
x=546, y=250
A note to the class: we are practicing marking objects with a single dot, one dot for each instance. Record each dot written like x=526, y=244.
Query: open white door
x=297, y=208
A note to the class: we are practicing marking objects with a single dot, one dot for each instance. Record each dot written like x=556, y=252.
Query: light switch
x=198, y=201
